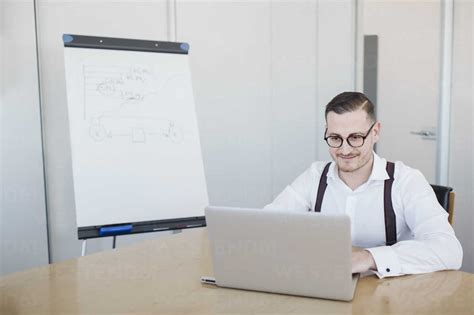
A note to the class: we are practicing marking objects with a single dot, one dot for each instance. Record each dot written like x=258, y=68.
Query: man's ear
x=376, y=129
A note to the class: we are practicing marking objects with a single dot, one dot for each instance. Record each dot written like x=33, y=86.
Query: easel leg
x=84, y=246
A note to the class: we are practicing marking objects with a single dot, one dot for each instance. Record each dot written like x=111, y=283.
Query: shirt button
x=387, y=270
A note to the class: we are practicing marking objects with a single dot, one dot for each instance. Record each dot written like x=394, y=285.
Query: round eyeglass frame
x=347, y=139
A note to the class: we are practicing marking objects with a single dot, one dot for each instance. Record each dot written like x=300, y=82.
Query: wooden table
x=162, y=277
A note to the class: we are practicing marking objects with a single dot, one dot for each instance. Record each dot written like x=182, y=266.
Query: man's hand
x=362, y=260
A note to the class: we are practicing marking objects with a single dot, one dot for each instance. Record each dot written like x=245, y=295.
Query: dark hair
x=350, y=102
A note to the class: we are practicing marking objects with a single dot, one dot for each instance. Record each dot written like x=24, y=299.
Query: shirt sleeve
x=434, y=246
x=297, y=195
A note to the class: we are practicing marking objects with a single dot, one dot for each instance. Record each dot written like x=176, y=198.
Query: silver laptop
x=297, y=253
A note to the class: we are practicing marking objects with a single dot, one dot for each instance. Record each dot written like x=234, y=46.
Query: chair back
x=445, y=196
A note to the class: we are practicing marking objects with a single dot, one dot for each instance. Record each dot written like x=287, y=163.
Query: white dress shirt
x=425, y=239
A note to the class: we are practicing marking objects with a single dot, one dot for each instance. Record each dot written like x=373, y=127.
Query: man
x=358, y=184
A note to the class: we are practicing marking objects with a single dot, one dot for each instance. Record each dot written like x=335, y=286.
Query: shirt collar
x=378, y=170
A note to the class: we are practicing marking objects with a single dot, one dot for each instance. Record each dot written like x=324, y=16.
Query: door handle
x=425, y=134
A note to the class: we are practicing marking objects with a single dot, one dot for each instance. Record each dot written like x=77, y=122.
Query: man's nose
x=345, y=148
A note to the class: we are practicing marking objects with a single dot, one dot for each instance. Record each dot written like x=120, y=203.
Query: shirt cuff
x=386, y=261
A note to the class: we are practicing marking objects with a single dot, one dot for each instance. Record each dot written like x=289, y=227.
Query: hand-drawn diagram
x=122, y=101
x=138, y=128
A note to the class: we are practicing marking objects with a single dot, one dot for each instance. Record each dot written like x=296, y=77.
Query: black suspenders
x=390, y=222
x=323, y=183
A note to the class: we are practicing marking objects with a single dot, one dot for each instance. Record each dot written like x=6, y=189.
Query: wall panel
x=23, y=236
x=461, y=169
x=294, y=105
x=231, y=68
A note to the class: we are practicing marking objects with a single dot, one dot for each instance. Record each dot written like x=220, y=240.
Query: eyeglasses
x=354, y=140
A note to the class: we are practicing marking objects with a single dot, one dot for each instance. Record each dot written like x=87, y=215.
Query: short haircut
x=350, y=102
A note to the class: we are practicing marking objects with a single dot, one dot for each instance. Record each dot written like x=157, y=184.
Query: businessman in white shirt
x=397, y=224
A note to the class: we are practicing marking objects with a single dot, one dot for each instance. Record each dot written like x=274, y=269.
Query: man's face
x=357, y=123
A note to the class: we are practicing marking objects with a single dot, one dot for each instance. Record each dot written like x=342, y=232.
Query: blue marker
x=67, y=38
x=115, y=230
x=184, y=46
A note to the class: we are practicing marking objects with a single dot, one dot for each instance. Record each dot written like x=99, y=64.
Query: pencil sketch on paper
x=121, y=101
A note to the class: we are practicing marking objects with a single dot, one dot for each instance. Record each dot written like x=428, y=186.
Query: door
x=407, y=77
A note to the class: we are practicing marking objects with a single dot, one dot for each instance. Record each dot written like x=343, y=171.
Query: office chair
x=445, y=196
